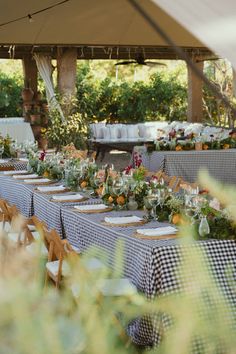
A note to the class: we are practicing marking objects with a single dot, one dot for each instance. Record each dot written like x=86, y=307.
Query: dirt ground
x=120, y=159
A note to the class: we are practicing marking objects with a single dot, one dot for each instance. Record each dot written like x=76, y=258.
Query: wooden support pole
x=195, y=85
x=30, y=72
x=66, y=71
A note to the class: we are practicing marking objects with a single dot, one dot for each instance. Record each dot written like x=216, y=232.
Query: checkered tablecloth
x=50, y=212
x=150, y=264
x=14, y=164
x=221, y=164
x=17, y=193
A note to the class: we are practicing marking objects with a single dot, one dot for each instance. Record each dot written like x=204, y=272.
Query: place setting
x=158, y=233
x=92, y=208
x=56, y=189
x=16, y=172
x=68, y=198
x=123, y=221
x=38, y=181
x=23, y=176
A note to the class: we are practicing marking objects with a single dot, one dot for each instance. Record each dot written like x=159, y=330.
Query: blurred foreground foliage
x=51, y=322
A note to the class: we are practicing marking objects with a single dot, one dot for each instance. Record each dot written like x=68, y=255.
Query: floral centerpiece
x=176, y=140
x=7, y=147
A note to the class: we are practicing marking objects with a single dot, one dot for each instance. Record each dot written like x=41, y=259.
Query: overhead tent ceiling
x=88, y=22
x=212, y=21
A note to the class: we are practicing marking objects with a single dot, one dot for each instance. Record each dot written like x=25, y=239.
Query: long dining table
x=149, y=264
x=221, y=164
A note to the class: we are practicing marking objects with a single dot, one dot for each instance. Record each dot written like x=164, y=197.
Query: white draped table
x=17, y=129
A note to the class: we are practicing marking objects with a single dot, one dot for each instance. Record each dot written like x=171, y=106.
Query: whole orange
x=120, y=200
x=83, y=184
x=176, y=219
x=110, y=199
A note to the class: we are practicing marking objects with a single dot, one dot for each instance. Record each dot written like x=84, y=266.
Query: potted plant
x=35, y=116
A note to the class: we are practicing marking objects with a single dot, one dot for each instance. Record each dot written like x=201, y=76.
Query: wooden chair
x=34, y=232
x=55, y=269
x=174, y=183
x=4, y=214
x=59, y=268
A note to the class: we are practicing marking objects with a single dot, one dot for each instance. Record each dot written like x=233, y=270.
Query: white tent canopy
x=87, y=22
x=213, y=22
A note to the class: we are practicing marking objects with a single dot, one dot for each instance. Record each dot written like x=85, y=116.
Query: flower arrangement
x=6, y=145
x=177, y=141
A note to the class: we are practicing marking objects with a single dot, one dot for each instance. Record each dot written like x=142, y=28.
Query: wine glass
x=118, y=185
x=148, y=207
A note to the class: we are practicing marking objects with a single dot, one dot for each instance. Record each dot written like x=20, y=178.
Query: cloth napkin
x=51, y=188
x=16, y=172
x=67, y=197
x=159, y=231
x=3, y=161
x=122, y=219
x=34, y=175
x=90, y=207
x=36, y=180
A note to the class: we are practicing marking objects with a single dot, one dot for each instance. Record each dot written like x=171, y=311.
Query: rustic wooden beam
x=66, y=71
x=195, y=86
x=30, y=71
x=111, y=52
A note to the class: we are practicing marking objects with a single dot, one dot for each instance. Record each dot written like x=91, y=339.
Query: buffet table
x=221, y=164
x=17, y=129
x=150, y=264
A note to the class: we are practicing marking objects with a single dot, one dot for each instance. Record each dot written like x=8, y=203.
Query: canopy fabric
x=88, y=22
x=44, y=66
x=213, y=22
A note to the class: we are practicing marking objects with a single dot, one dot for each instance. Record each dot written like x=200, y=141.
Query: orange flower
x=46, y=174
x=178, y=148
x=205, y=147
x=226, y=146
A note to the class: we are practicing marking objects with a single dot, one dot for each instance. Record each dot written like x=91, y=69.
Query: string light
x=30, y=16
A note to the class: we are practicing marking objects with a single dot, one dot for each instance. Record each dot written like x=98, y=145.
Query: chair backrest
x=7, y=211
x=56, y=247
x=12, y=211
x=174, y=183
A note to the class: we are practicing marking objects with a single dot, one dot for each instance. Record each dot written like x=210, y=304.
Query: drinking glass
x=204, y=228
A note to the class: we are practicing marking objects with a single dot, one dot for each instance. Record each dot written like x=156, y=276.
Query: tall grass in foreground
x=39, y=321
